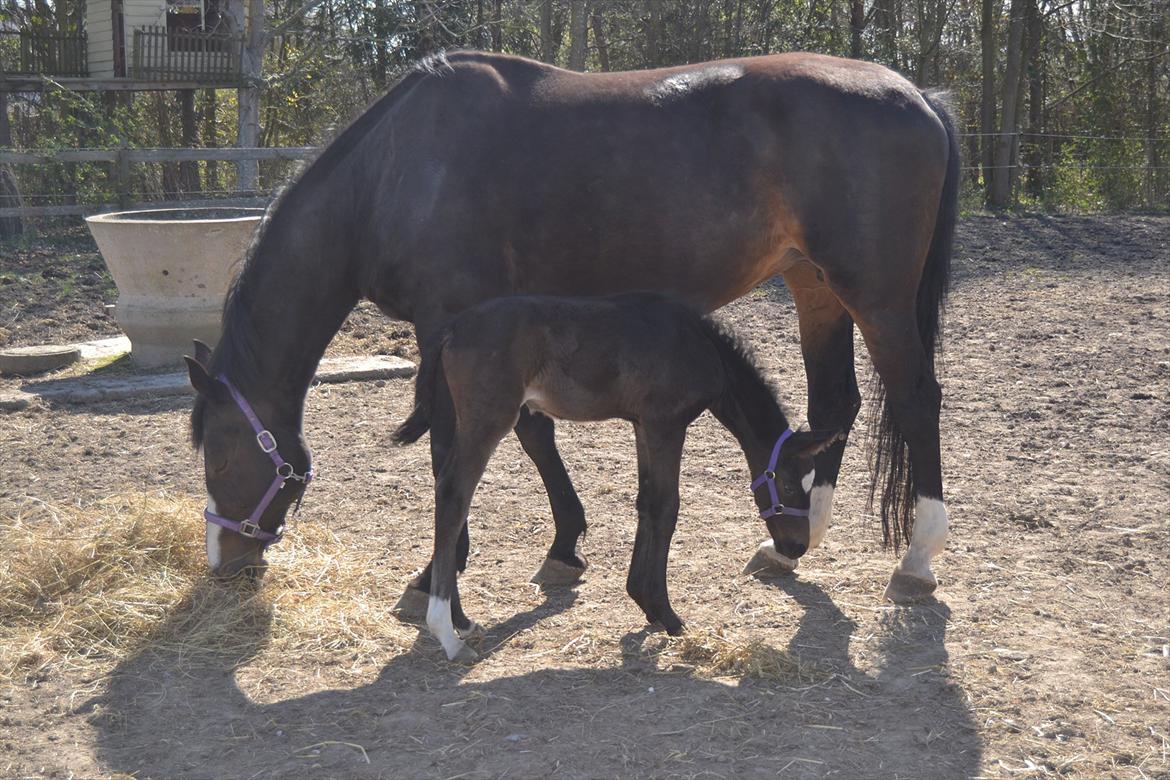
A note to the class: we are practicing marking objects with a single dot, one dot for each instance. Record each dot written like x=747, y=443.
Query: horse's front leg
x=564, y=564
x=659, y=458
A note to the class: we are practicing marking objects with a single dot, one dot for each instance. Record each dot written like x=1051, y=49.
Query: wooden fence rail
x=185, y=55
x=120, y=161
x=51, y=52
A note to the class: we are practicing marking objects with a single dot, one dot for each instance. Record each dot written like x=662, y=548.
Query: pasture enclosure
x=1044, y=653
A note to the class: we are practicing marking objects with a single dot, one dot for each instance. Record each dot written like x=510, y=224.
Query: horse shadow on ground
x=164, y=715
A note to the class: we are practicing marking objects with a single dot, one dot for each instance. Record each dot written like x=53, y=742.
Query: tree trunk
x=599, y=38
x=1032, y=153
x=653, y=33
x=210, y=138
x=1154, y=68
x=497, y=26
x=857, y=27
x=1001, y=180
x=548, y=47
x=578, y=32
x=987, y=102
x=188, y=169
x=248, y=96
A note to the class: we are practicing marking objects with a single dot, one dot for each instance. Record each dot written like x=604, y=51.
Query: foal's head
x=245, y=461
x=782, y=487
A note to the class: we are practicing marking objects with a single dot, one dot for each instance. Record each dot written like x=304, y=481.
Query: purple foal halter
x=769, y=478
x=284, y=472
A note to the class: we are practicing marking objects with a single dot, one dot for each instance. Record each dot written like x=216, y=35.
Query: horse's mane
x=745, y=379
x=235, y=354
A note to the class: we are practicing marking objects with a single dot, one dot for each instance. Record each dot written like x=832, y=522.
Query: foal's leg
x=412, y=605
x=454, y=488
x=659, y=457
x=564, y=565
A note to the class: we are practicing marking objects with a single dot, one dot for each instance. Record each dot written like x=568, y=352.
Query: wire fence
x=1052, y=171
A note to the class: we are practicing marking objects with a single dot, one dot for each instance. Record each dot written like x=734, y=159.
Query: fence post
x=122, y=178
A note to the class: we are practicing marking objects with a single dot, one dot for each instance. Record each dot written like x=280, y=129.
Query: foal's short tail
x=425, y=387
x=889, y=455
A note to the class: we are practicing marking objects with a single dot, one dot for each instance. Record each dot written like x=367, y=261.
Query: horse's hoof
x=465, y=656
x=908, y=589
x=769, y=563
x=473, y=631
x=554, y=572
x=413, y=604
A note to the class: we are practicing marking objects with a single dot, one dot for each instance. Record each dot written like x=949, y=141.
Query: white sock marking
x=820, y=514
x=214, y=557
x=439, y=622
x=928, y=539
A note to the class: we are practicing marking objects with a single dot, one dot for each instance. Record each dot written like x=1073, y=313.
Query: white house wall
x=99, y=36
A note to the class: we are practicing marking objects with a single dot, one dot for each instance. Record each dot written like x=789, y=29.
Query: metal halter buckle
x=249, y=529
x=266, y=441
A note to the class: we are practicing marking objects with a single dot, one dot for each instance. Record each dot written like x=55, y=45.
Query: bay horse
x=483, y=175
x=644, y=358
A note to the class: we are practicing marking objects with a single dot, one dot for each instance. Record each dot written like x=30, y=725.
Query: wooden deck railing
x=160, y=54
x=43, y=52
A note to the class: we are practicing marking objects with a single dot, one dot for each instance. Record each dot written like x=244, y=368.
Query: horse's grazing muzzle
x=250, y=566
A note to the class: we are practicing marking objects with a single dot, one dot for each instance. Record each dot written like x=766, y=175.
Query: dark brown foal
x=638, y=357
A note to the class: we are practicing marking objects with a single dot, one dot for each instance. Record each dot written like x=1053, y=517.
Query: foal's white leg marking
x=927, y=540
x=820, y=514
x=214, y=558
x=439, y=622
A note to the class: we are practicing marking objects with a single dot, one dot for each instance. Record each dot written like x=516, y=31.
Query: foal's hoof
x=473, y=631
x=769, y=563
x=413, y=604
x=908, y=589
x=554, y=572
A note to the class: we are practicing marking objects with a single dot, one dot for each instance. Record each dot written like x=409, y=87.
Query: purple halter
x=284, y=472
x=769, y=478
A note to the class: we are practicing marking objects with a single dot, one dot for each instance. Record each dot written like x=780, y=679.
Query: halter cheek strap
x=769, y=478
x=284, y=472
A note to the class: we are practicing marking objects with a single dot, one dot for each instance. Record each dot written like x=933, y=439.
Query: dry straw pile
x=129, y=575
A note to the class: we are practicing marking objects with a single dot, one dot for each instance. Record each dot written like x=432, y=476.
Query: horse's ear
x=806, y=444
x=201, y=380
x=202, y=353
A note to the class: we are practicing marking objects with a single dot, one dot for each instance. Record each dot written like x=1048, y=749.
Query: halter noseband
x=284, y=472
x=769, y=478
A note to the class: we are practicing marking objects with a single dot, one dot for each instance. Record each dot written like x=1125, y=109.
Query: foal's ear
x=202, y=352
x=201, y=380
x=806, y=444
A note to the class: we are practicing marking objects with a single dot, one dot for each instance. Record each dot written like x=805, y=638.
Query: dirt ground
x=1044, y=654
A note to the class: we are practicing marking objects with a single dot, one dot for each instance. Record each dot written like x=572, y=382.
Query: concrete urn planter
x=173, y=268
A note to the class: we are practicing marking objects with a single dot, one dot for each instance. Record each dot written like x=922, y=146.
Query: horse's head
x=256, y=466
x=782, y=490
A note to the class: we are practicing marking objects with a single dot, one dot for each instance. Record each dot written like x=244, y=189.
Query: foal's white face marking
x=820, y=514
x=214, y=557
x=439, y=622
x=807, y=480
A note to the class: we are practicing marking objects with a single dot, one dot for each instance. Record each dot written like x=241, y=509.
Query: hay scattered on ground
x=715, y=654
x=129, y=575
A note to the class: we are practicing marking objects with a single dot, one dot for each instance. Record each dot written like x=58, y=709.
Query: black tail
x=425, y=386
x=889, y=455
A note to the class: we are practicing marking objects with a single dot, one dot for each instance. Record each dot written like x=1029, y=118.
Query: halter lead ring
x=284, y=472
x=769, y=478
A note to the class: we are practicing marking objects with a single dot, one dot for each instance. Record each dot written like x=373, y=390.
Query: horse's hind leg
x=914, y=401
x=564, y=565
x=659, y=458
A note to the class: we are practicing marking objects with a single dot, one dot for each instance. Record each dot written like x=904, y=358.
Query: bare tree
x=1001, y=180
x=578, y=32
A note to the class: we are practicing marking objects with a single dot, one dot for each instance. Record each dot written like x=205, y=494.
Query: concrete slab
x=104, y=348
x=26, y=361
x=83, y=390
